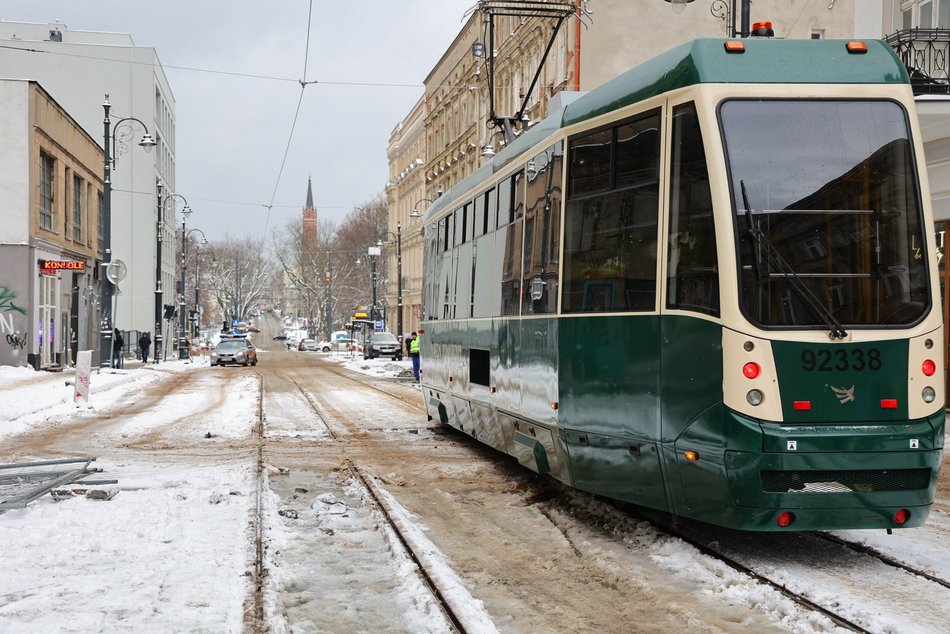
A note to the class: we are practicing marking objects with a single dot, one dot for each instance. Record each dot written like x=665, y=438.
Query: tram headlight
x=754, y=397
x=928, y=394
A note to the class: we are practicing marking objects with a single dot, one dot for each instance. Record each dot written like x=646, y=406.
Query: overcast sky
x=232, y=132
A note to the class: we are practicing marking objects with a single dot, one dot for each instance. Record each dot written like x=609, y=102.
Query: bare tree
x=239, y=276
x=353, y=279
x=302, y=266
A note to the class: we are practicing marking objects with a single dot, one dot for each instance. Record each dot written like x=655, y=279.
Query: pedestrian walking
x=117, y=344
x=145, y=342
x=414, y=356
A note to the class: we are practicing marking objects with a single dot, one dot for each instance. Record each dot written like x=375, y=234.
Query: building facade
x=78, y=68
x=50, y=237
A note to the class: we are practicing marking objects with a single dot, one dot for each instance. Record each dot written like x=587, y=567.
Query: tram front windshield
x=829, y=223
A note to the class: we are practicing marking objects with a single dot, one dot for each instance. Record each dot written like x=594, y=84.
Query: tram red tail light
x=785, y=519
x=928, y=367
x=751, y=370
x=888, y=403
x=857, y=48
x=901, y=516
x=802, y=406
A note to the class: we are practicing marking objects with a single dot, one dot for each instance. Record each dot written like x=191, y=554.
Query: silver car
x=239, y=351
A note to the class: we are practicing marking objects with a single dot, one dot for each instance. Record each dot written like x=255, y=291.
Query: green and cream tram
x=707, y=287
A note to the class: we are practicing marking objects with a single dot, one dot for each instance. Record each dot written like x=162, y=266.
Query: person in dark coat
x=117, y=344
x=145, y=342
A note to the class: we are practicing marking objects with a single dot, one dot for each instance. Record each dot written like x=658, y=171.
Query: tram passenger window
x=490, y=211
x=459, y=224
x=504, y=203
x=478, y=227
x=692, y=270
x=610, y=238
x=541, y=231
x=636, y=163
x=511, y=269
x=590, y=163
x=445, y=231
x=517, y=192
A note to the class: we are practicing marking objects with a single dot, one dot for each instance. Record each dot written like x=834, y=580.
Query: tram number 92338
x=841, y=360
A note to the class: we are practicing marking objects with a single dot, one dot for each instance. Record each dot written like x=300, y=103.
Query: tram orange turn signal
x=691, y=455
x=734, y=46
x=785, y=519
x=928, y=367
x=751, y=370
x=857, y=48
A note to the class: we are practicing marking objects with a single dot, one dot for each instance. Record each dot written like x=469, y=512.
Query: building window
x=77, y=208
x=46, y=191
x=924, y=14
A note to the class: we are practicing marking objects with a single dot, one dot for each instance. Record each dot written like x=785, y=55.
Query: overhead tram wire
x=365, y=84
x=293, y=126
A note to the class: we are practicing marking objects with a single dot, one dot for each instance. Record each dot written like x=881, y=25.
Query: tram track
x=432, y=581
x=735, y=564
x=882, y=557
x=258, y=519
x=335, y=370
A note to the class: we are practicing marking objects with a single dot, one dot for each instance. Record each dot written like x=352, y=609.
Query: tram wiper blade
x=755, y=235
x=795, y=283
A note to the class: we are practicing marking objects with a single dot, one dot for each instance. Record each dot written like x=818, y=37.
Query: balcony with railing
x=925, y=53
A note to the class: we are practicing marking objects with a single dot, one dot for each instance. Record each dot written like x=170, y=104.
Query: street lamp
x=125, y=128
x=198, y=245
x=398, y=237
x=373, y=251
x=415, y=213
x=159, y=238
x=182, y=341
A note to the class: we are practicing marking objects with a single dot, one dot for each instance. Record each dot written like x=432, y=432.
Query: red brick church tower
x=309, y=219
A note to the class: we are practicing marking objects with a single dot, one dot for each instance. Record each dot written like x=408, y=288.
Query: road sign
x=378, y=325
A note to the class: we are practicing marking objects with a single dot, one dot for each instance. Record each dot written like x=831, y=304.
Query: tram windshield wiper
x=761, y=243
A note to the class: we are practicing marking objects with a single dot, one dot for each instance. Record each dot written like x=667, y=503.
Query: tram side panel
x=610, y=405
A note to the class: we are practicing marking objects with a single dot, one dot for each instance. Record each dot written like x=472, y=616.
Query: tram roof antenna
x=553, y=10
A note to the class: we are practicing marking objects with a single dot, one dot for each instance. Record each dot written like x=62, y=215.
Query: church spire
x=309, y=218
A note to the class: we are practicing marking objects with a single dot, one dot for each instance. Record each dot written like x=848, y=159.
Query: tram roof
x=764, y=61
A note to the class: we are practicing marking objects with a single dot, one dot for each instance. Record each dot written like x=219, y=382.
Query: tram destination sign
x=50, y=267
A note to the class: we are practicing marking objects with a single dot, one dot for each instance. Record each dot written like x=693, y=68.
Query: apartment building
x=78, y=68
x=50, y=237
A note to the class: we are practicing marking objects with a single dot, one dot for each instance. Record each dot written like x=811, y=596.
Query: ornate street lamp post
x=182, y=340
x=195, y=313
x=159, y=239
x=398, y=236
x=125, y=127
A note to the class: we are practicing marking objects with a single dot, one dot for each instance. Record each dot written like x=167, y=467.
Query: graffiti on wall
x=15, y=337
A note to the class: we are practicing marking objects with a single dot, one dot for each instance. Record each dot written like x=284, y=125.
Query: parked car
x=308, y=345
x=383, y=344
x=281, y=337
x=253, y=329
x=239, y=351
x=340, y=345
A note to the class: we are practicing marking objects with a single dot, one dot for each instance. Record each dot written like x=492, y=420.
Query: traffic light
x=169, y=311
